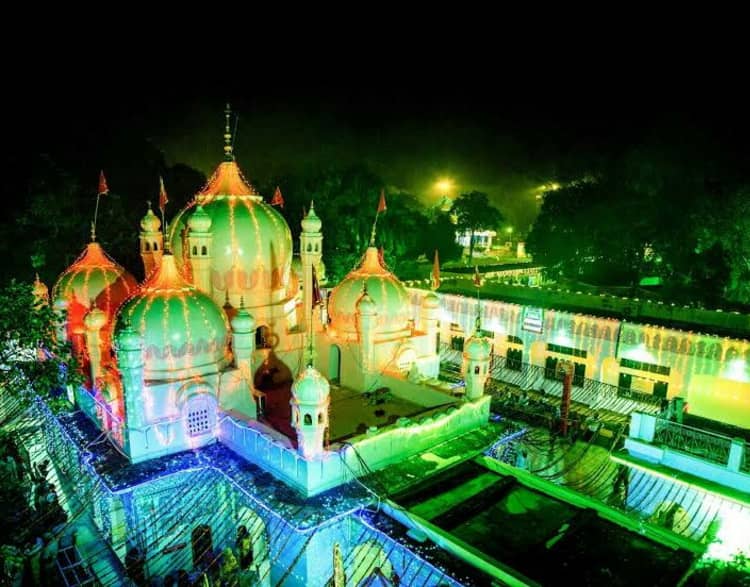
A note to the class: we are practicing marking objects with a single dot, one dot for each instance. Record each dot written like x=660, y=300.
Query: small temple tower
x=152, y=241
x=199, y=248
x=94, y=321
x=310, y=399
x=311, y=252
x=429, y=314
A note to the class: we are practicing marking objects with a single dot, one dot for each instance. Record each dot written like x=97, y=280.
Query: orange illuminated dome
x=93, y=280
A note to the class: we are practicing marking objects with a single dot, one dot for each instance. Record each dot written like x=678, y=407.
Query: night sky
x=502, y=138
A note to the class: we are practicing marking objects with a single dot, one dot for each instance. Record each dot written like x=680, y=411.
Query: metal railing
x=693, y=441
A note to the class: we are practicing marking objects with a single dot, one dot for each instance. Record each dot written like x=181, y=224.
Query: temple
x=317, y=433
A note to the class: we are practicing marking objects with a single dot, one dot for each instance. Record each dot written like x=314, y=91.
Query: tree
x=32, y=360
x=474, y=212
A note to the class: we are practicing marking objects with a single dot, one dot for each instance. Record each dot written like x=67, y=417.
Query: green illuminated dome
x=184, y=331
x=386, y=292
x=252, y=243
x=310, y=387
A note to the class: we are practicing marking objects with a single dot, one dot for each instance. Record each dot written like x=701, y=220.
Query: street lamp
x=443, y=187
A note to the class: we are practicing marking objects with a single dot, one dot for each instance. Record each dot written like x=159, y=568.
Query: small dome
x=311, y=222
x=365, y=305
x=150, y=222
x=430, y=301
x=199, y=221
x=183, y=329
x=478, y=348
x=310, y=387
x=95, y=319
x=128, y=339
x=386, y=291
x=243, y=321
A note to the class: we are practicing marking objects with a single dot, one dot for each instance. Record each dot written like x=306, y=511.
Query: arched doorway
x=202, y=544
x=334, y=364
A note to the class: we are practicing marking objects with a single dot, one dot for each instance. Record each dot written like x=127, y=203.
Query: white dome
x=310, y=387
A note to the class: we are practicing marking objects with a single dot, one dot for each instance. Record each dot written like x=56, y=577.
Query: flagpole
x=96, y=212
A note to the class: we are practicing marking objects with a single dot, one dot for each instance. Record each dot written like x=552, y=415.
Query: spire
x=228, y=154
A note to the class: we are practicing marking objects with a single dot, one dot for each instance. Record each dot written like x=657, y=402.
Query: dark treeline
x=672, y=202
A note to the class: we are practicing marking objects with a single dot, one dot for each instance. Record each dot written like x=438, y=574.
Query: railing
x=745, y=465
x=693, y=441
x=638, y=396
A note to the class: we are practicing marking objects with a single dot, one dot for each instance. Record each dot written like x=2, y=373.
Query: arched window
x=308, y=420
x=148, y=247
x=320, y=417
x=156, y=246
x=309, y=247
x=316, y=248
x=195, y=251
x=476, y=370
x=204, y=250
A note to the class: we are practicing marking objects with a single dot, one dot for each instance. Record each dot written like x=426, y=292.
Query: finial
x=242, y=302
x=228, y=155
x=93, y=232
x=312, y=206
x=149, y=204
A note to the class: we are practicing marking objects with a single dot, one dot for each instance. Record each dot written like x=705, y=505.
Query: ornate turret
x=129, y=349
x=476, y=364
x=200, y=248
x=310, y=399
x=152, y=241
x=311, y=252
x=243, y=338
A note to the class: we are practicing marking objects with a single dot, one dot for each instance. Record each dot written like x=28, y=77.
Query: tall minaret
x=311, y=252
x=130, y=362
x=310, y=399
x=199, y=248
x=94, y=322
x=152, y=241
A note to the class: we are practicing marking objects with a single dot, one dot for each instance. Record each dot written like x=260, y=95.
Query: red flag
x=381, y=204
x=316, y=297
x=278, y=199
x=162, y=195
x=103, y=189
x=436, y=272
x=477, y=277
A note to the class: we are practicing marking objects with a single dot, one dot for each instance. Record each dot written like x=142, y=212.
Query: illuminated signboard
x=533, y=319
